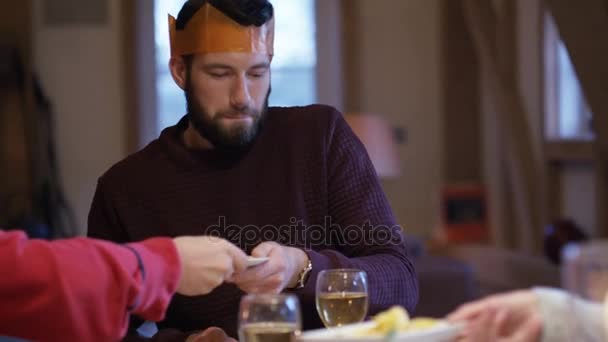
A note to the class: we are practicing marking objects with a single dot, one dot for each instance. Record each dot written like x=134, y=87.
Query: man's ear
x=177, y=65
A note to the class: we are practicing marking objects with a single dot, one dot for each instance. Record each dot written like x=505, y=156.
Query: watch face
x=306, y=273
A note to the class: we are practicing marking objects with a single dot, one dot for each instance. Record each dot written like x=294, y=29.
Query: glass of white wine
x=341, y=296
x=269, y=318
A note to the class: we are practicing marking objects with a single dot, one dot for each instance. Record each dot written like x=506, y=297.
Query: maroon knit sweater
x=306, y=182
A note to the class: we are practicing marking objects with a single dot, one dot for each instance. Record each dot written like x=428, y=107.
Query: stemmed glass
x=341, y=296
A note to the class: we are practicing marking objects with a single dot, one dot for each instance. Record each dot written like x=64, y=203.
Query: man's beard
x=222, y=137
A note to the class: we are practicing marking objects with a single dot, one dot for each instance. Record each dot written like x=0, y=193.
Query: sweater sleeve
x=81, y=289
x=569, y=318
x=362, y=220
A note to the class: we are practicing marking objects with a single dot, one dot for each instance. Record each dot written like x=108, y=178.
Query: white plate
x=442, y=331
x=252, y=262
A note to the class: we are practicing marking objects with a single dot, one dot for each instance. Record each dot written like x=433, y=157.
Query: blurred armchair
x=444, y=282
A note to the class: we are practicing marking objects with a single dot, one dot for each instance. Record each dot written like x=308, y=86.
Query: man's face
x=227, y=96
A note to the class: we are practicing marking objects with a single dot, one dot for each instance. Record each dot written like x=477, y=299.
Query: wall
x=398, y=66
x=80, y=70
x=461, y=112
x=578, y=196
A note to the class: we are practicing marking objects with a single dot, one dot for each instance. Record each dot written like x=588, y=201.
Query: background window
x=293, y=66
x=567, y=114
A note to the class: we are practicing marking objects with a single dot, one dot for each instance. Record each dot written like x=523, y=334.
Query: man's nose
x=240, y=97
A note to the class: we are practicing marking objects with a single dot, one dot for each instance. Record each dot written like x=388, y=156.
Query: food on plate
x=395, y=320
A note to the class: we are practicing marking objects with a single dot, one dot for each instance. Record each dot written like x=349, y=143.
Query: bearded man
x=291, y=184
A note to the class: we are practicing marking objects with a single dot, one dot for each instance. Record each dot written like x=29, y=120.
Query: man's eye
x=257, y=74
x=221, y=75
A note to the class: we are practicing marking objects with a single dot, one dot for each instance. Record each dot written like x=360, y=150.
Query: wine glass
x=341, y=296
x=269, y=318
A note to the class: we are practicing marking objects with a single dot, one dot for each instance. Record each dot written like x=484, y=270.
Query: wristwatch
x=303, y=276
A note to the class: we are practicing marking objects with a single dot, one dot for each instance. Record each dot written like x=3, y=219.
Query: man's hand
x=206, y=263
x=279, y=272
x=510, y=317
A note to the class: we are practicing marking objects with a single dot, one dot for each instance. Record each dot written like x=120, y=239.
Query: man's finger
x=255, y=278
x=260, y=272
x=263, y=250
x=247, y=276
x=212, y=334
x=273, y=284
x=257, y=274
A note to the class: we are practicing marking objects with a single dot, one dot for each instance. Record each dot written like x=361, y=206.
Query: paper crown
x=210, y=30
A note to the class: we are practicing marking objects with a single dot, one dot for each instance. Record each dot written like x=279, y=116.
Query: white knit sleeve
x=606, y=317
x=569, y=318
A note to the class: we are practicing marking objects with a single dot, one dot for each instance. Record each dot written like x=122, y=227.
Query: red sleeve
x=82, y=289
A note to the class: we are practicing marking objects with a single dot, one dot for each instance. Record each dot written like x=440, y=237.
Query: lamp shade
x=377, y=136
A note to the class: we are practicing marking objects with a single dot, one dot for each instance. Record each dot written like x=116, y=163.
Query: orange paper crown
x=210, y=30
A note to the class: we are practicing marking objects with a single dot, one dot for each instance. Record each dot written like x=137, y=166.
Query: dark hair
x=558, y=234
x=244, y=12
